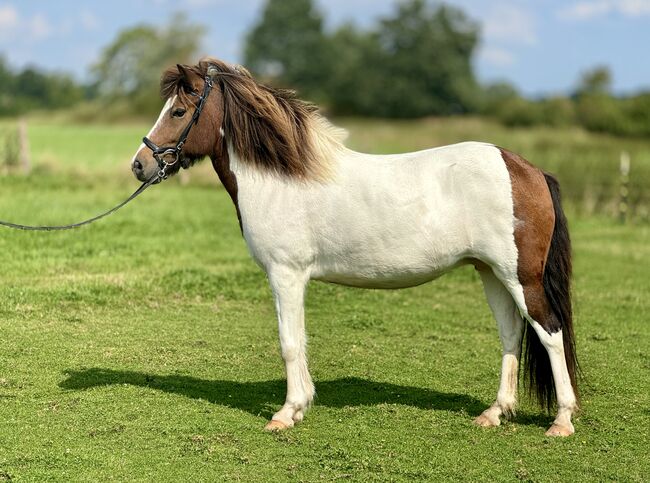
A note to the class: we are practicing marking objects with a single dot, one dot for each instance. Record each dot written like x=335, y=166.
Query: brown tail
x=557, y=288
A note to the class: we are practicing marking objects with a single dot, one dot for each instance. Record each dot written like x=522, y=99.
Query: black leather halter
x=161, y=153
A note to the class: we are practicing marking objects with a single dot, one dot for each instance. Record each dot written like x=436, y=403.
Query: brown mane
x=270, y=128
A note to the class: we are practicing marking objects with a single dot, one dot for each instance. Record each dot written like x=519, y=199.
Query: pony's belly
x=378, y=283
x=386, y=279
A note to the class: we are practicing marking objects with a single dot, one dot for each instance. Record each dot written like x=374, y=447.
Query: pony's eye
x=180, y=112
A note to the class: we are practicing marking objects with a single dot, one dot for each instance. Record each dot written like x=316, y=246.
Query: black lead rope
x=137, y=192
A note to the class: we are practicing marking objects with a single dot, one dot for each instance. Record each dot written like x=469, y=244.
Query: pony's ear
x=185, y=77
x=182, y=70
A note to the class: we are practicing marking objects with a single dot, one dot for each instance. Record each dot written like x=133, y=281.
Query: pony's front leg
x=289, y=291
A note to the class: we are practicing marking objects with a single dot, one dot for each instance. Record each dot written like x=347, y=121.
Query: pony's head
x=182, y=87
x=266, y=127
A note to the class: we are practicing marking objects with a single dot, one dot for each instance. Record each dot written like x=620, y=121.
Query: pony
x=309, y=208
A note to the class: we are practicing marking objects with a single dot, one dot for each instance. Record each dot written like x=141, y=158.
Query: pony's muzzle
x=138, y=169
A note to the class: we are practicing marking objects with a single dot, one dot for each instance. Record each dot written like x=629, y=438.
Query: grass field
x=145, y=347
x=587, y=164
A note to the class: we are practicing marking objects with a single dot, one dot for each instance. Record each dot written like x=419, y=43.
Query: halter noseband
x=160, y=152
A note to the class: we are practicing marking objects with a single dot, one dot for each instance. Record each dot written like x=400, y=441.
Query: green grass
x=145, y=348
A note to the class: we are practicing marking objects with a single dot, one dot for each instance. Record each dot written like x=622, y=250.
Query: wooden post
x=23, y=146
x=623, y=206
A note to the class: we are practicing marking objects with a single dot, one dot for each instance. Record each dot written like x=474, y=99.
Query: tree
x=32, y=88
x=288, y=47
x=130, y=67
x=596, y=81
x=415, y=63
x=6, y=87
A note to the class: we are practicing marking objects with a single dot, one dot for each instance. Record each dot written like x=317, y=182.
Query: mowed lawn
x=145, y=347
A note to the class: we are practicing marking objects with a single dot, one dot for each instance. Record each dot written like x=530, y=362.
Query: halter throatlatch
x=167, y=156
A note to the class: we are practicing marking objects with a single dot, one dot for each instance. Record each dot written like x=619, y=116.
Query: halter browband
x=159, y=152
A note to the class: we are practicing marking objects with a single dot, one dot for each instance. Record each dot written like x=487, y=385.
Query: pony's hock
x=310, y=208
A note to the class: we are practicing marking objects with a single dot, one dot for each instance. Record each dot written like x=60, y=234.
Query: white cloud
x=39, y=27
x=587, y=10
x=508, y=23
x=89, y=20
x=496, y=56
x=209, y=3
x=201, y=3
x=8, y=18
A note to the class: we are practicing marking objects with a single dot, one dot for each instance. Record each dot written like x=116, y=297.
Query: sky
x=540, y=46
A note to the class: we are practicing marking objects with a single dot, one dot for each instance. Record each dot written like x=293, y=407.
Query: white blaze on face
x=168, y=105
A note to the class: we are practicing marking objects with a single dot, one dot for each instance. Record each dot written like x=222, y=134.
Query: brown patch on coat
x=268, y=127
x=535, y=221
x=544, y=271
x=221, y=164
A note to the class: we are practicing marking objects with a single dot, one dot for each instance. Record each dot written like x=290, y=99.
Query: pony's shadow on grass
x=262, y=398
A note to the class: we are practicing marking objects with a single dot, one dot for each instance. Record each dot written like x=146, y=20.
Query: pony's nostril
x=137, y=165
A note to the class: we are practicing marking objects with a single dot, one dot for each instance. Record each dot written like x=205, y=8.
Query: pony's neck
x=322, y=149
x=221, y=164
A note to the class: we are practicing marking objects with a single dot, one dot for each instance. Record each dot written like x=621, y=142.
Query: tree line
x=418, y=62
x=415, y=62
x=32, y=88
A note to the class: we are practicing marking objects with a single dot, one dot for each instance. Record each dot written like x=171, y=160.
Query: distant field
x=587, y=164
x=145, y=347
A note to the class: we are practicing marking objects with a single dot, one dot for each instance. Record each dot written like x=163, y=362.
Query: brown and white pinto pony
x=311, y=209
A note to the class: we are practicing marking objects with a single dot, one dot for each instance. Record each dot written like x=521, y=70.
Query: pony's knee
x=291, y=352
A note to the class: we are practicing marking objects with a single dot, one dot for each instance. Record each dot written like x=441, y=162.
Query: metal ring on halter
x=163, y=164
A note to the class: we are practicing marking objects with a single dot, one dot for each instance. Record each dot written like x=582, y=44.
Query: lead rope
x=135, y=194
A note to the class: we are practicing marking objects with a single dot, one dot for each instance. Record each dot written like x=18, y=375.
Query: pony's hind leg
x=511, y=328
x=554, y=344
x=289, y=291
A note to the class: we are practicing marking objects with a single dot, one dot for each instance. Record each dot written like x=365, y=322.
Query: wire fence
x=619, y=189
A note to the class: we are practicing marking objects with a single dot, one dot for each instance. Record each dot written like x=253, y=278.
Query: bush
x=519, y=112
x=557, y=112
x=601, y=113
x=637, y=114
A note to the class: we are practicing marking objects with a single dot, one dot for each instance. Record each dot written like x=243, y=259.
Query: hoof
x=275, y=426
x=558, y=430
x=486, y=421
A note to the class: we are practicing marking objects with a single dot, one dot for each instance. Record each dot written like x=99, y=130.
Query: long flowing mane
x=268, y=127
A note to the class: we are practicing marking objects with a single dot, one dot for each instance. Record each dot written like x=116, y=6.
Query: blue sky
x=541, y=46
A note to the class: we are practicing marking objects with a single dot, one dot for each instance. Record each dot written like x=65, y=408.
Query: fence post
x=23, y=146
x=623, y=206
